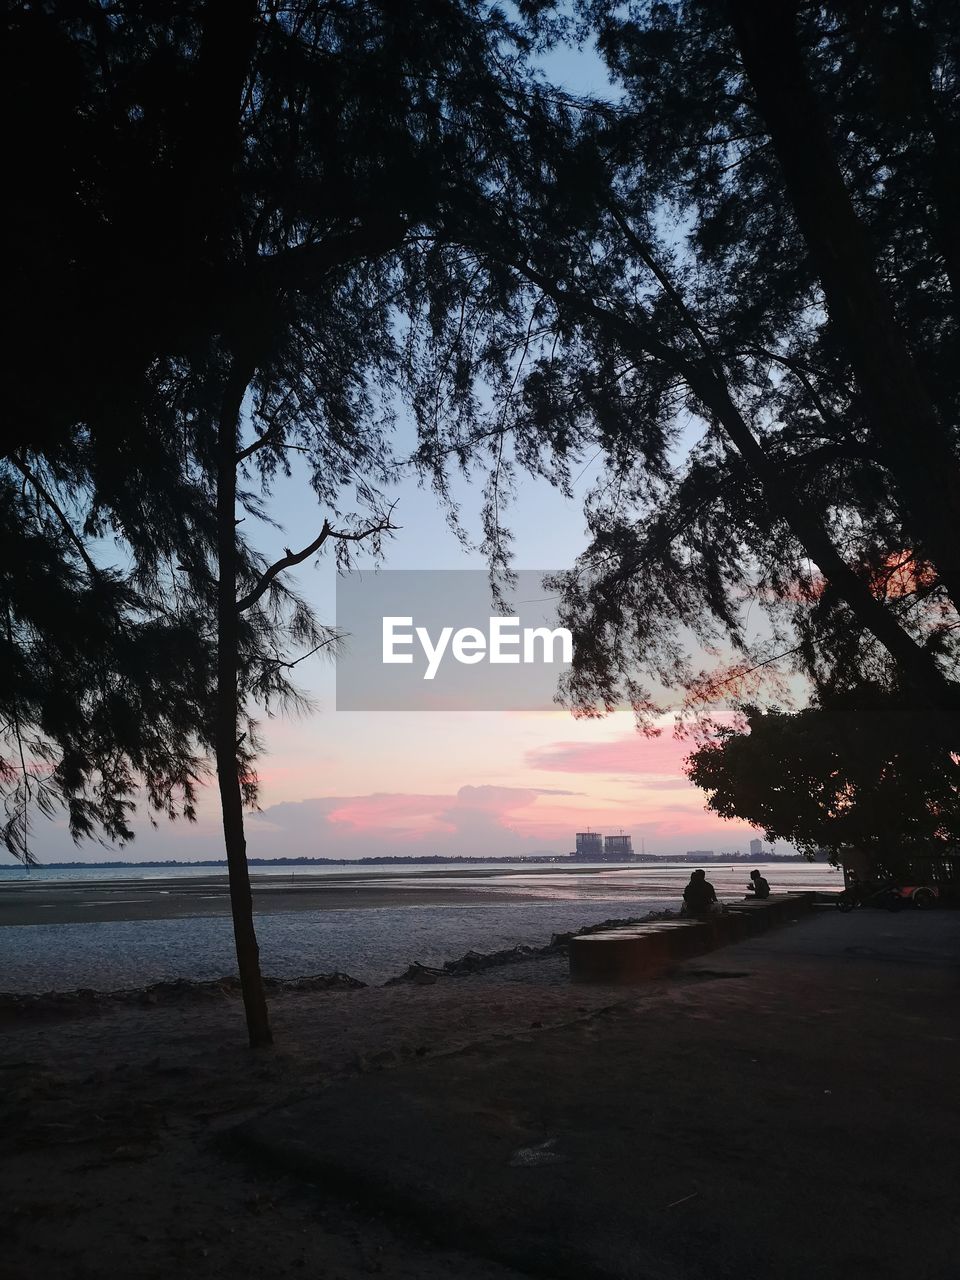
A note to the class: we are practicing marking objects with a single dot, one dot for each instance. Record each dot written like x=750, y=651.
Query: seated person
x=759, y=886
x=699, y=897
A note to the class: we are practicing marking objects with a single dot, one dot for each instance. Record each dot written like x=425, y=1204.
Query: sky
x=483, y=783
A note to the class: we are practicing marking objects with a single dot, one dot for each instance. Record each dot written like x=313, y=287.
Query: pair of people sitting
x=700, y=897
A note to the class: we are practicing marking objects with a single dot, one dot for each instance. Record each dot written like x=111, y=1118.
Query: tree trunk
x=915, y=446
x=227, y=716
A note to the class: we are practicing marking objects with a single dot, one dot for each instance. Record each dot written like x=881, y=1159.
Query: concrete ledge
x=636, y=952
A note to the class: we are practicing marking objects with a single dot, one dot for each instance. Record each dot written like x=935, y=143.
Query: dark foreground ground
x=784, y=1108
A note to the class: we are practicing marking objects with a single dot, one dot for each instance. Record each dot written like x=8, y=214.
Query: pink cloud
x=473, y=820
x=428, y=813
x=386, y=809
x=630, y=754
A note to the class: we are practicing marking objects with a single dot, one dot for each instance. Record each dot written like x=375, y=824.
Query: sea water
x=372, y=943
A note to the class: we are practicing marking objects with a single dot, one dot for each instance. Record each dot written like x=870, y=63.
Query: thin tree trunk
x=227, y=716
x=915, y=445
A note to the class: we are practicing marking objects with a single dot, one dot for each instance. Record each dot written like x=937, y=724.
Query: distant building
x=589, y=846
x=617, y=848
x=698, y=853
x=756, y=848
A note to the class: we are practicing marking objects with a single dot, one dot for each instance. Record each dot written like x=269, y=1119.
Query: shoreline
x=116, y=899
x=109, y=901
x=187, y=991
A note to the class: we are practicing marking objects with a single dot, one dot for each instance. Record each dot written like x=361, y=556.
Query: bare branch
x=287, y=562
x=267, y=438
x=277, y=664
x=297, y=557
x=270, y=436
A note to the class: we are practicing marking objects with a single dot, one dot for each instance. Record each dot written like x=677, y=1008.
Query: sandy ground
x=113, y=1119
x=108, y=1167
x=782, y=1109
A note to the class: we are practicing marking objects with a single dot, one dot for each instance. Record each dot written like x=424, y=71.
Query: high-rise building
x=589, y=846
x=617, y=848
x=756, y=848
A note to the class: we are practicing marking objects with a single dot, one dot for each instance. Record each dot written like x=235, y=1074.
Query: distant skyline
x=360, y=784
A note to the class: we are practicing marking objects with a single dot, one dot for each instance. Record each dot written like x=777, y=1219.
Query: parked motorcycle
x=885, y=895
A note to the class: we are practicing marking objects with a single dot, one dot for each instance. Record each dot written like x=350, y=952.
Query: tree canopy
x=230, y=224
x=776, y=401
x=865, y=772
x=324, y=208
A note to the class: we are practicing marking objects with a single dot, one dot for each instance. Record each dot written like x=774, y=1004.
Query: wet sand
x=71, y=902
x=28, y=902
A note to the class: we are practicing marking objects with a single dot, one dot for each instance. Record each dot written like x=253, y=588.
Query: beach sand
x=42, y=901
x=108, y=1118
x=114, y=1118
x=76, y=902
x=161, y=899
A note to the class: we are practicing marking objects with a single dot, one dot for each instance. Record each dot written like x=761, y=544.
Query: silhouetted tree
x=102, y=690
x=248, y=229
x=864, y=771
x=238, y=212
x=777, y=411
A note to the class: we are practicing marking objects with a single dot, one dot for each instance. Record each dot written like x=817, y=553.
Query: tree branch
x=709, y=385
x=302, y=266
x=270, y=435
x=798, y=371
x=58, y=511
x=277, y=664
x=645, y=255
x=297, y=557
x=287, y=562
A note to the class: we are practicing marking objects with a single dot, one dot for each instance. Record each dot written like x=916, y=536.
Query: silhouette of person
x=760, y=886
x=699, y=896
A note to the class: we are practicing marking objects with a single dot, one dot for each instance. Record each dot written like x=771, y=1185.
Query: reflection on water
x=660, y=881
x=548, y=882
